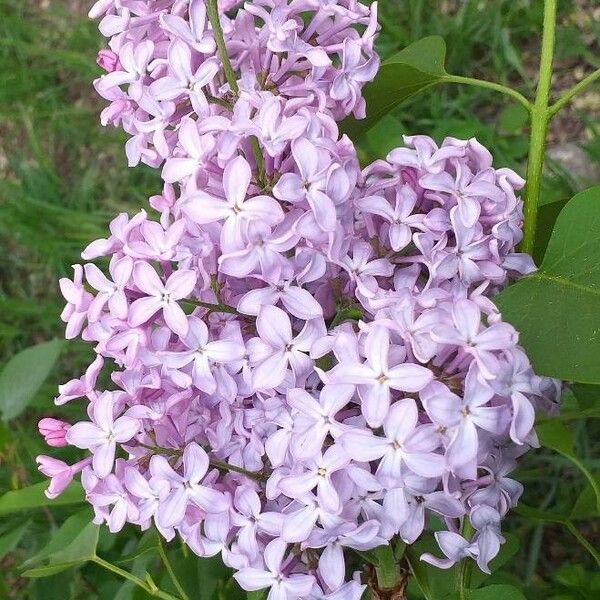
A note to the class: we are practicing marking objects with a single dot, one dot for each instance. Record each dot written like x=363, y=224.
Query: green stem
x=169, y=567
x=591, y=479
x=213, y=16
x=490, y=85
x=225, y=466
x=218, y=464
x=131, y=577
x=212, y=10
x=576, y=89
x=386, y=568
x=258, y=159
x=576, y=533
x=539, y=127
x=214, y=307
x=465, y=568
x=219, y=101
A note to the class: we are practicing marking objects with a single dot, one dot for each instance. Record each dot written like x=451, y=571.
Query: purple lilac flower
x=301, y=352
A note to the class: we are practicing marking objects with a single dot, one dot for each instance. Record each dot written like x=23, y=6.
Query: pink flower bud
x=53, y=431
x=107, y=59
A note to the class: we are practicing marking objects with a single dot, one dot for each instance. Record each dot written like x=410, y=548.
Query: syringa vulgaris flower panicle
x=294, y=62
x=305, y=357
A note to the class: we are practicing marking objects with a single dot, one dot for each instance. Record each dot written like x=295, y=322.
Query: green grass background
x=63, y=176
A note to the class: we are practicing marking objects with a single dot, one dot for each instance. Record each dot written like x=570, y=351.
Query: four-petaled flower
x=202, y=354
x=375, y=377
x=161, y=296
x=282, y=586
x=186, y=487
x=103, y=433
x=404, y=443
x=277, y=348
x=237, y=209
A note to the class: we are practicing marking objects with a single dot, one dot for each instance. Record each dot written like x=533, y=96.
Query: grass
x=63, y=176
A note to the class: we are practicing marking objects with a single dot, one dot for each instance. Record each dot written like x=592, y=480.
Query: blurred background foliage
x=63, y=176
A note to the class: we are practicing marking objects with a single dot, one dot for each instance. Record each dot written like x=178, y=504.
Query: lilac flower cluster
x=168, y=89
x=305, y=356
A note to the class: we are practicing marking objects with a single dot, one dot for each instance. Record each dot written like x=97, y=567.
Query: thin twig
x=213, y=17
x=169, y=567
x=576, y=89
x=152, y=590
x=490, y=85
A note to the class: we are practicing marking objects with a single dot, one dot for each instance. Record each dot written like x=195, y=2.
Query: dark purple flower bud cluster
x=306, y=357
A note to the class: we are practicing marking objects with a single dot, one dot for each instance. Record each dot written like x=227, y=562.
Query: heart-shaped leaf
x=547, y=214
x=401, y=76
x=557, y=309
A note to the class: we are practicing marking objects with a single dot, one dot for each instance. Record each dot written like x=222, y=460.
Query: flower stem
x=150, y=589
x=224, y=308
x=490, y=85
x=218, y=464
x=576, y=89
x=540, y=117
x=463, y=576
x=258, y=159
x=387, y=571
x=169, y=567
x=213, y=16
x=225, y=466
x=212, y=10
x=589, y=547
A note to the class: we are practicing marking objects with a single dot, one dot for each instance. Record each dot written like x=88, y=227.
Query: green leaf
x=558, y=437
x=23, y=375
x=586, y=506
x=128, y=590
x=34, y=497
x=547, y=214
x=9, y=541
x=149, y=542
x=51, y=569
x=201, y=579
x=495, y=592
x=257, y=595
x=73, y=544
x=588, y=396
x=529, y=512
x=556, y=310
x=401, y=76
x=418, y=570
